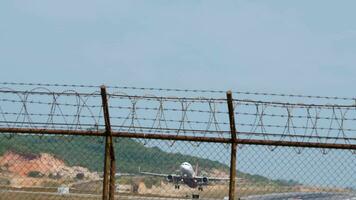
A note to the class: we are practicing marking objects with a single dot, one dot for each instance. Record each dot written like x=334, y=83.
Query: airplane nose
x=184, y=168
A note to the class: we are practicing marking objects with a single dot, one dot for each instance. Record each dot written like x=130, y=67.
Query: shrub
x=4, y=181
x=35, y=174
x=80, y=176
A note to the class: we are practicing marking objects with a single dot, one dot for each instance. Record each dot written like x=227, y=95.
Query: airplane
x=186, y=176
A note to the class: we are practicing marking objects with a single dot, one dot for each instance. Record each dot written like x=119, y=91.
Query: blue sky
x=306, y=47
x=276, y=46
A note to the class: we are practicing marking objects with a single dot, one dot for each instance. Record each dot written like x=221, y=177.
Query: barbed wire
x=181, y=90
x=177, y=121
x=41, y=107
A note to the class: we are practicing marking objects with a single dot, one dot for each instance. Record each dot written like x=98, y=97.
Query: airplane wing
x=218, y=178
x=170, y=177
x=154, y=174
x=206, y=180
x=212, y=178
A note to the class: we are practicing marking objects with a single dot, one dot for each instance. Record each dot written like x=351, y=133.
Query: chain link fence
x=285, y=170
x=50, y=167
x=73, y=142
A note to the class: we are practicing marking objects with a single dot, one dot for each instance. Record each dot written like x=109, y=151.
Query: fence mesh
x=45, y=167
x=286, y=171
x=173, y=144
x=152, y=168
x=50, y=167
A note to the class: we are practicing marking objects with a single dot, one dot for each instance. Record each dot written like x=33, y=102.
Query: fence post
x=109, y=162
x=233, y=145
x=112, y=172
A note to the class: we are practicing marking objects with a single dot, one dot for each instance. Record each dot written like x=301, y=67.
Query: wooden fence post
x=109, y=162
x=233, y=145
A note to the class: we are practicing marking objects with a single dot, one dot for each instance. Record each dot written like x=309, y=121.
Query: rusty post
x=109, y=163
x=112, y=188
x=233, y=146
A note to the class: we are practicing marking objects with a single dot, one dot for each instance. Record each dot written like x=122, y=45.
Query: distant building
x=62, y=190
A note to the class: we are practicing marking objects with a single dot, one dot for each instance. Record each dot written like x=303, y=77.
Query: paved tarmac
x=279, y=196
x=303, y=196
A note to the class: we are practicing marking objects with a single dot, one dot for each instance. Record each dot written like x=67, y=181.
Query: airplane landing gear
x=176, y=187
x=200, y=188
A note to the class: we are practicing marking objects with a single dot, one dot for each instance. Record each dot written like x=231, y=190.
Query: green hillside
x=130, y=154
x=89, y=152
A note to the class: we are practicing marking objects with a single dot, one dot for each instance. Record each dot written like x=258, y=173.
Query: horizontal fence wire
x=133, y=110
x=179, y=90
x=56, y=143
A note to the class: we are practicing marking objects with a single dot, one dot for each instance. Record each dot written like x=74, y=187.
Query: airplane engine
x=170, y=178
x=205, y=180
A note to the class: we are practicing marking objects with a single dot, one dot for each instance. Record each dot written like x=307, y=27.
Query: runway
x=279, y=196
x=303, y=196
x=10, y=194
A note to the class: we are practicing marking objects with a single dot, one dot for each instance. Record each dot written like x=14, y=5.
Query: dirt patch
x=22, y=165
x=32, y=170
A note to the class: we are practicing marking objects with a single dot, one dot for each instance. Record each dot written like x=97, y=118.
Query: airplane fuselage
x=191, y=182
x=186, y=170
x=188, y=174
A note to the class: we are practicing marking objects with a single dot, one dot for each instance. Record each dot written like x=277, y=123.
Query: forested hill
x=130, y=155
x=89, y=152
